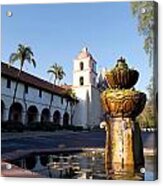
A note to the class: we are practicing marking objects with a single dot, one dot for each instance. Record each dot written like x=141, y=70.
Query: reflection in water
x=44, y=159
x=30, y=162
x=84, y=165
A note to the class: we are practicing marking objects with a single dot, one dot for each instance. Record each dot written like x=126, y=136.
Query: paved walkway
x=44, y=140
x=52, y=140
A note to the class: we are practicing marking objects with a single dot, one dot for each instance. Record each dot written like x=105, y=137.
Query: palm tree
x=54, y=70
x=58, y=74
x=61, y=74
x=23, y=54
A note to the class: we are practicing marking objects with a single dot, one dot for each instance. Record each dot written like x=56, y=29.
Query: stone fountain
x=122, y=104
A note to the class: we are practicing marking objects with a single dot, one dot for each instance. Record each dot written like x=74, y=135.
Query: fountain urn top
x=121, y=76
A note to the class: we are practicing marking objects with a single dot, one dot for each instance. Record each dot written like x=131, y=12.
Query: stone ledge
x=16, y=171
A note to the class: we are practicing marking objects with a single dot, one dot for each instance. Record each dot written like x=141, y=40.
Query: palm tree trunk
x=16, y=85
x=55, y=80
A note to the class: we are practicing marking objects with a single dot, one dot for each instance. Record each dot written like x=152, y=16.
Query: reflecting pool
x=82, y=165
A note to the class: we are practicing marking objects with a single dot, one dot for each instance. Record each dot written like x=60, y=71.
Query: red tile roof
x=84, y=53
x=31, y=80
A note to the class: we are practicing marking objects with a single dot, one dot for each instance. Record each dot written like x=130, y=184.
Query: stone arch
x=56, y=117
x=2, y=110
x=65, y=119
x=45, y=115
x=32, y=114
x=16, y=112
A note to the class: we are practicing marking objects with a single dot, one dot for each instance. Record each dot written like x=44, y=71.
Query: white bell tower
x=88, y=110
x=84, y=69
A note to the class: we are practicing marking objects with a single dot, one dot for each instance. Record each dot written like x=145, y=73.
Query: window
x=81, y=65
x=8, y=83
x=40, y=93
x=26, y=88
x=81, y=81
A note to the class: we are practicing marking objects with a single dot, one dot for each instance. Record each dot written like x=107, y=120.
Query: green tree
x=146, y=13
x=147, y=117
x=23, y=54
x=70, y=92
x=61, y=74
x=57, y=72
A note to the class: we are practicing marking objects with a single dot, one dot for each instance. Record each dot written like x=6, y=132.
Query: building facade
x=34, y=101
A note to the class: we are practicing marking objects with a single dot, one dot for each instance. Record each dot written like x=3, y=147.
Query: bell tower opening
x=81, y=81
x=81, y=66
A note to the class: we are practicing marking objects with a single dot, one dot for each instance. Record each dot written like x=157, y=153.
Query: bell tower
x=85, y=87
x=84, y=69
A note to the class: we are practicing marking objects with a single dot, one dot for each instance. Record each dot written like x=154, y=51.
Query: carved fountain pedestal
x=122, y=104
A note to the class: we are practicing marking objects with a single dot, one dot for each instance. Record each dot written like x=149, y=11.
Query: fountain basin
x=123, y=103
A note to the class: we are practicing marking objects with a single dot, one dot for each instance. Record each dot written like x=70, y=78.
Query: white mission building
x=34, y=95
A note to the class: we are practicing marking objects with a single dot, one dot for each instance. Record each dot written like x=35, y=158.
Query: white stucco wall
x=31, y=98
x=80, y=116
x=95, y=107
x=88, y=111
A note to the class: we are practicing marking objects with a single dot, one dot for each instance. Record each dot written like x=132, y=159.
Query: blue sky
x=57, y=32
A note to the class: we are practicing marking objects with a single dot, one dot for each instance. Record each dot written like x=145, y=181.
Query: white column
x=39, y=117
x=24, y=118
x=51, y=118
x=61, y=120
x=5, y=114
